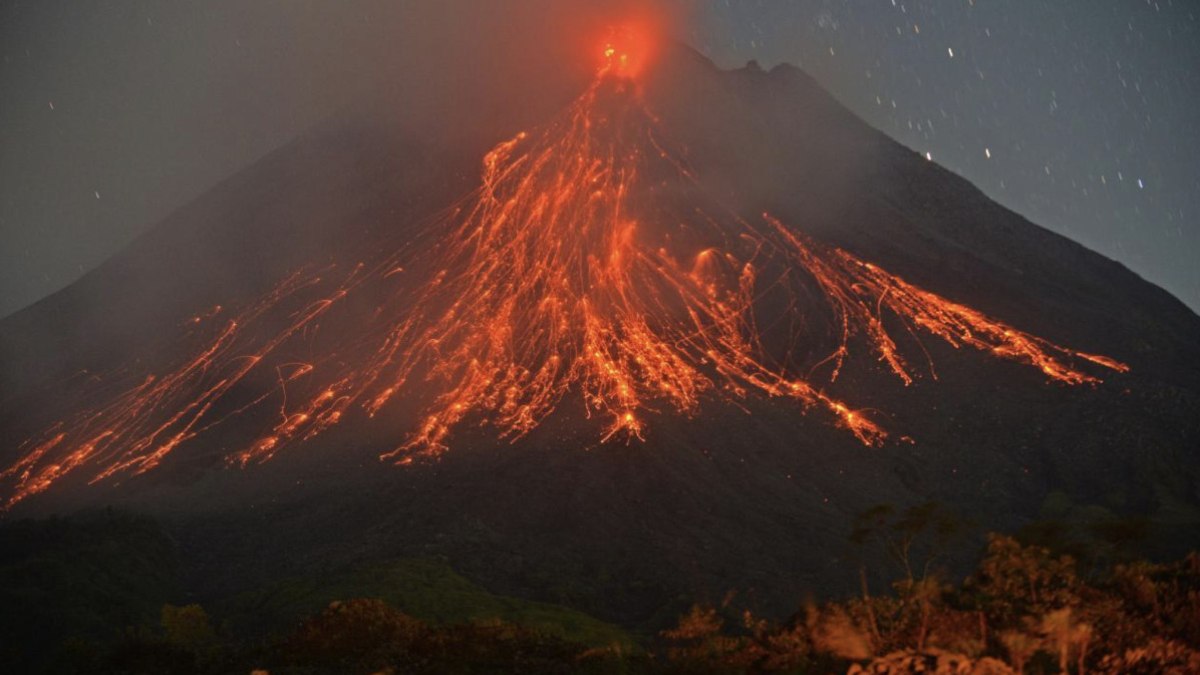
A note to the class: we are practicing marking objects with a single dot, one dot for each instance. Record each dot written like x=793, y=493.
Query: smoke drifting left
x=127, y=113
x=496, y=45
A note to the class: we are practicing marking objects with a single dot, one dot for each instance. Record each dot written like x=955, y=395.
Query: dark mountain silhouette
x=747, y=489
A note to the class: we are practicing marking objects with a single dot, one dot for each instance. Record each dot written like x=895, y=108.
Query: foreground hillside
x=102, y=594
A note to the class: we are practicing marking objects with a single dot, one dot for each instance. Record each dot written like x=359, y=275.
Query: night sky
x=1078, y=114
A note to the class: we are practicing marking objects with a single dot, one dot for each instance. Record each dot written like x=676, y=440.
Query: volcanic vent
x=589, y=271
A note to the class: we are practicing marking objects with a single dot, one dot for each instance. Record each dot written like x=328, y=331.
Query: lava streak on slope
x=587, y=264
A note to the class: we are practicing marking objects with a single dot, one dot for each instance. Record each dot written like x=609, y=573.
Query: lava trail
x=587, y=264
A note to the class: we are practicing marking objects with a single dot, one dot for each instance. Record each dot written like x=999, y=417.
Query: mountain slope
x=744, y=490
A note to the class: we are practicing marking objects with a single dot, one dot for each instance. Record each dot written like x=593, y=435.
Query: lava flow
x=586, y=266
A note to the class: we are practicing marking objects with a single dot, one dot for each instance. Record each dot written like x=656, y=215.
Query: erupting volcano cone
x=723, y=284
x=587, y=264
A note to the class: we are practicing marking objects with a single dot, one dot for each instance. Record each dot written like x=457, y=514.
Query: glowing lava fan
x=588, y=269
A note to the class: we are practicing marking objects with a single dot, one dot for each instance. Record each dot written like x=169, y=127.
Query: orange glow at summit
x=627, y=49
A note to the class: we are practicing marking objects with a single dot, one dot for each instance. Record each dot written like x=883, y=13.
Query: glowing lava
x=626, y=51
x=587, y=266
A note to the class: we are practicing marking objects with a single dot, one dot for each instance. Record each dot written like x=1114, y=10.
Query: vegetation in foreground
x=1024, y=609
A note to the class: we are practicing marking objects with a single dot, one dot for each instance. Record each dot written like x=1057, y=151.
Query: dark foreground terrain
x=102, y=593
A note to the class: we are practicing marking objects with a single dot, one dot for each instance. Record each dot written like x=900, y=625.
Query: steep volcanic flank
x=666, y=341
x=588, y=264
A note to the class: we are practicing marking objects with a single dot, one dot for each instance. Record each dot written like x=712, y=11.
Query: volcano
x=666, y=338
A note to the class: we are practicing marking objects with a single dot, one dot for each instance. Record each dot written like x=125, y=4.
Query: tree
x=835, y=632
x=187, y=627
x=915, y=538
x=1020, y=647
x=699, y=645
x=1014, y=581
x=1067, y=636
x=360, y=634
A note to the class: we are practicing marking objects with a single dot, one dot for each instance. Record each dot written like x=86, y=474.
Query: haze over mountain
x=1028, y=367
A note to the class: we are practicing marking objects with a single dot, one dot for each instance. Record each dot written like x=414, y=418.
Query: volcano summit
x=677, y=333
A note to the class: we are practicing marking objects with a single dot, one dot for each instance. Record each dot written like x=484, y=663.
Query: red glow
x=627, y=49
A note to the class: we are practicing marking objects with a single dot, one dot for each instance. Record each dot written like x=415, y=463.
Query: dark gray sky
x=1079, y=114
